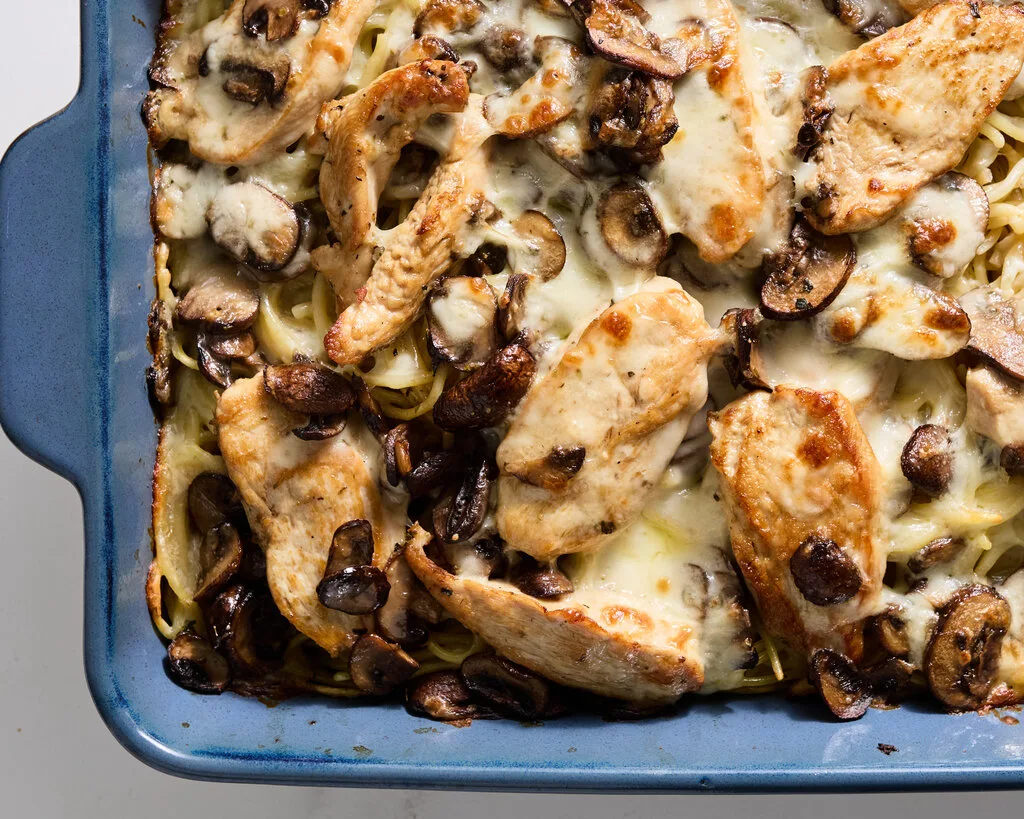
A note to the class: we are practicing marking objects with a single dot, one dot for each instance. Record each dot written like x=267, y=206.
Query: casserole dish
x=75, y=286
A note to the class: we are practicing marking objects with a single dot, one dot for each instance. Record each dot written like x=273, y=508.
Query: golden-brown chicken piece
x=906, y=106
x=596, y=640
x=296, y=494
x=419, y=250
x=593, y=437
x=238, y=99
x=711, y=184
x=802, y=489
x=366, y=132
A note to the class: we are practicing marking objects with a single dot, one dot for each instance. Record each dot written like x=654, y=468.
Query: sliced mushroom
x=404, y=447
x=158, y=373
x=511, y=315
x=744, y=365
x=277, y=19
x=997, y=329
x=487, y=395
x=543, y=581
x=1012, y=459
x=844, y=689
x=461, y=321
x=817, y=110
x=350, y=584
x=868, y=18
x=615, y=30
x=940, y=550
x=254, y=74
x=378, y=667
x=945, y=223
x=261, y=230
x=369, y=408
x=213, y=501
x=632, y=115
x=962, y=657
x=321, y=427
x=193, y=664
x=309, y=388
x=509, y=688
x=545, y=99
x=444, y=696
x=927, y=460
x=487, y=260
x=824, y=572
x=505, y=47
x=220, y=557
x=890, y=630
x=554, y=471
x=224, y=300
x=806, y=276
x=215, y=352
x=433, y=471
x=630, y=225
x=889, y=678
x=246, y=626
x=543, y=251
x=461, y=514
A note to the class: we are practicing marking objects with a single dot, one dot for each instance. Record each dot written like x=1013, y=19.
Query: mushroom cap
x=377, y=666
x=508, y=688
x=543, y=250
x=962, y=657
x=461, y=312
x=927, y=459
x=806, y=276
x=488, y=394
x=630, y=225
x=193, y=664
x=443, y=696
x=844, y=689
x=824, y=572
x=309, y=388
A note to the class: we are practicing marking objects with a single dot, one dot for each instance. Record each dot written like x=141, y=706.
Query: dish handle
x=49, y=269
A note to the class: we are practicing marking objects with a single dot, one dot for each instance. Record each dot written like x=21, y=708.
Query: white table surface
x=56, y=757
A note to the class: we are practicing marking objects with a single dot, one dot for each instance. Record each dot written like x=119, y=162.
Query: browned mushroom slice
x=193, y=664
x=349, y=583
x=585, y=640
x=962, y=657
x=239, y=100
x=294, y=497
x=927, y=460
x=542, y=252
x=945, y=224
x=884, y=140
x=824, y=571
x=843, y=688
x=223, y=300
x=940, y=550
x=545, y=582
x=276, y=19
x=369, y=409
x=309, y=388
x=461, y=321
x=615, y=30
x=511, y=315
x=448, y=15
x=213, y=500
x=644, y=360
x=463, y=514
x=631, y=115
x=487, y=395
x=508, y=688
x=630, y=225
x=868, y=18
x=744, y=365
x=997, y=329
x=233, y=347
x=817, y=109
x=554, y=470
x=158, y=373
x=444, y=696
x=366, y=133
x=995, y=408
x=220, y=557
x=487, y=260
x=321, y=427
x=246, y=626
x=806, y=276
x=260, y=229
x=890, y=630
x=885, y=309
x=505, y=47
x=796, y=467
x=545, y=99
x=378, y=667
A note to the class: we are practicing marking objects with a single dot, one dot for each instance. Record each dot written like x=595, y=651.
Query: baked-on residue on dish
x=521, y=356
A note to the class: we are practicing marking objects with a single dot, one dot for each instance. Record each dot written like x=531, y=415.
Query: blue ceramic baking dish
x=75, y=284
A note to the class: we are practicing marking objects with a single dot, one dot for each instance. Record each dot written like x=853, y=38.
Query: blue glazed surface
x=75, y=284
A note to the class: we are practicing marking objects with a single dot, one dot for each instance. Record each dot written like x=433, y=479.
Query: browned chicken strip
x=803, y=494
x=594, y=436
x=905, y=108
